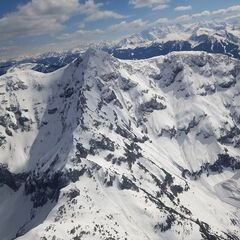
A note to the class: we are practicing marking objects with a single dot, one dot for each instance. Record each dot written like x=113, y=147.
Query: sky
x=30, y=27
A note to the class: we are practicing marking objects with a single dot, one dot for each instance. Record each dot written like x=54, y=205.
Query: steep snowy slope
x=109, y=149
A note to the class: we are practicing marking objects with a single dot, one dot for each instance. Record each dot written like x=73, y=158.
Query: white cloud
x=113, y=32
x=155, y=4
x=40, y=17
x=160, y=21
x=118, y=29
x=37, y=18
x=161, y=7
x=220, y=14
x=93, y=12
x=231, y=9
x=128, y=26
x=229, y=15
x=103, y=14
x=183, y=8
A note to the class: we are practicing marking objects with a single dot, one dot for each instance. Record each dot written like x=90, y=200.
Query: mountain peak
x=152, y=137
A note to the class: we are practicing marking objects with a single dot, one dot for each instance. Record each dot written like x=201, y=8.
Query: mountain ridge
x=105, y=142
x=211, y=37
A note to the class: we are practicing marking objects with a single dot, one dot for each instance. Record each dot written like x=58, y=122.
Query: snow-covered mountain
x=211, y=37
x=207, y=36
x=46, y=62
x=114, y=149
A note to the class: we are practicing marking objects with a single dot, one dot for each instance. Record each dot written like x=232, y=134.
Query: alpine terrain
x=121, y=149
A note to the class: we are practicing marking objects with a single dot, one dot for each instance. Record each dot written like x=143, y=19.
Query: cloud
x=37, y=18
x=94, y=13
x=161, y=7
x=128, y=26
x=124, y=27
x=103, y=14
x=232, y=9
x=160, y=21
x=219, y=14
x=183, y=8
x=229, y=15
x=40, y=17
x=155, y=4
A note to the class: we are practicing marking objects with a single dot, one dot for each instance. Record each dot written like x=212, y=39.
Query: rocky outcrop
x=151, y=105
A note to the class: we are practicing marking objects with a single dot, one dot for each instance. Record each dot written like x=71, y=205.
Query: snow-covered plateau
x=121, y=149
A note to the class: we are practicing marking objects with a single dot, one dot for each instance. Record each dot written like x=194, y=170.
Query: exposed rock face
x=109, y=149
x=127, y=84
x=103, y=143
x=152, y=105
x=2, y=139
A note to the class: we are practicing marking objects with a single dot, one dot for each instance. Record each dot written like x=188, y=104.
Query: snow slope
x=112, y=149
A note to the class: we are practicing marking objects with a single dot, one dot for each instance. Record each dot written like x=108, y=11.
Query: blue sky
x=30, y=27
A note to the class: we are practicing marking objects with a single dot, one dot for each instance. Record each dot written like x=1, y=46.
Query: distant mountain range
x=208, y=37
x=47, y=62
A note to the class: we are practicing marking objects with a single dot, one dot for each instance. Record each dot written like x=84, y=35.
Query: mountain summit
x=121, y=149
